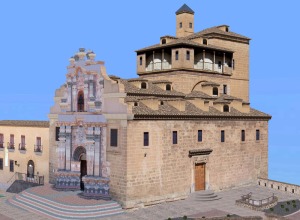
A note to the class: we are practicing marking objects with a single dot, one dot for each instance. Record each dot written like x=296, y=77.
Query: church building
x=184, y=124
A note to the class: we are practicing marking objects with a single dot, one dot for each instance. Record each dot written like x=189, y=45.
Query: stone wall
x=164, y=171
x=273, y=184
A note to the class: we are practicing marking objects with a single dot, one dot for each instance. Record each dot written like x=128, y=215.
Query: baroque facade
x=185, y=124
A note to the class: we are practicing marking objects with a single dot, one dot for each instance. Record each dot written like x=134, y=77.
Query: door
x=199, y=177
x=83, y=172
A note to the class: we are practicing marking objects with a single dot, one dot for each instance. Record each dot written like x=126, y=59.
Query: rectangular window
x=12, y=141
x=38, y=146
x=180, y=24
x=243, y=135
x=257, y=135
x=176, y=55
x=1, y=140
x=57, y=133
x=175, y=137
x=22, y=145
x=191, y=25
x=146, y=138
x=222, y=136
x=141, y=61
x=1, y=163
x=199, y=135
x=187, y=55
x=224, y=89
x=114, y=137
x=11, y=166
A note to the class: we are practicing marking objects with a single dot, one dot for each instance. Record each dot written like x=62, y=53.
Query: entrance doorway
x=200, y=176
x=30, y=169
x=83, y=170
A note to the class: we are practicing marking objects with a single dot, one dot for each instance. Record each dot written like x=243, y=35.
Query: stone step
x=49, y=208
x=205, y=195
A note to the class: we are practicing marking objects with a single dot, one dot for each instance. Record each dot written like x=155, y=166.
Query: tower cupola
x=184, y=21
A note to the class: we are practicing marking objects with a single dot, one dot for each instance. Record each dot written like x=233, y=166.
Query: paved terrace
x=191, y=206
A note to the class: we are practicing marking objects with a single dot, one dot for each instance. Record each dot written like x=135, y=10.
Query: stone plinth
x=95, y=188
x=67, y=180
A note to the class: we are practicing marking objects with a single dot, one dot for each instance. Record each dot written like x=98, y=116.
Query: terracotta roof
x=168, y=36
x=152, y=89
x=210, y=84
x=184, y=41
x=215, y=30
x=226, y=99
x=185, y=9
x=198, y=94
x=137, y=80
x=24, y=123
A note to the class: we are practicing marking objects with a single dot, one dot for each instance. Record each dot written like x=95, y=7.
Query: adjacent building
x=185, y=124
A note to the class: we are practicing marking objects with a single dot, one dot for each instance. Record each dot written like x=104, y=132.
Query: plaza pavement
x=189, y=207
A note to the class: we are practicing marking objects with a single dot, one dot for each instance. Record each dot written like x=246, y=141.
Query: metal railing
x=22, y=146
x=1, y=145
x=215, y=67
x=10, y=145
x=158, y=66
x=258, y=203
x=27, y=178
x=38, y=148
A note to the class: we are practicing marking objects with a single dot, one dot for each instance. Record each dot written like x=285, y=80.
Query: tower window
x=243, y=135
x=191, y=25
x=144, y=85
x=161, y=102
x=146, y=138
x=215, y=91
x=224, y=89
x=80, y=102
x=205, y=41
x=168, y=87
x=225, y=108
x=199, y=135
x=222, y=136
x=180, y=24
x=187, y=55
x=163, y=41
x=114, y=137
x=257, y=135
x=141, y=61
x=227, y=29
x=175, y=137
x=176, y=55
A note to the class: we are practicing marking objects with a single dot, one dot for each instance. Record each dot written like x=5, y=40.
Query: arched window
x=144, y=85
x=163, y=41
x=225, y=108
x=215, y=91
x=80, y=101
x=168, y=87
x=30, y=169
x=205, y=41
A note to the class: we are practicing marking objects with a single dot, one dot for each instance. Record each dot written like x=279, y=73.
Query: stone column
x=153, y=61
x=105, y=170
x=203, y=58
x=74, y=96
x=90, y=158
x=91, y=87
x=68, y=147
x=97, y=155
x=162, y=58
x=224, y=60
x=70, y=96
x=213, y=69
x=61, y=150
x=86, y=92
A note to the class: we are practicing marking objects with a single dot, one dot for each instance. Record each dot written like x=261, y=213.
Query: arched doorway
x=80, y=155
x=30, y=169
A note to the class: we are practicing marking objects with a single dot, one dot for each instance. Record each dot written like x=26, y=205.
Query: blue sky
x=38, y=37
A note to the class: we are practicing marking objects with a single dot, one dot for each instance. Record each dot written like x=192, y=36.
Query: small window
x=146, y=138
x=1, y=163
x=224, y=89
x=22, y=145
x=180, y=24
x=57, y=129
x=175, y=137
x=227, y=29
x=222, y=136
x=176, y=55
x=168, y=87
x=1, y=140
x=191, y=25
x=11, y=166
x=187, y=55
x=144, y=85
x=114, y=137
x=38, y=146
x=278, y=187
x=205, y=41
x=12, y=141
x=163, y=41
x=293, y=191
x=225, y=108
x=199, y=135
x=135, y=104
x=257, y=135
x=215, y=91
x=243, y=135
x=219, y=64
x=141, y=61
x=161, y=102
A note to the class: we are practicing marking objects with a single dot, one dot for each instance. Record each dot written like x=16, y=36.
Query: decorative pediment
x=198, y=152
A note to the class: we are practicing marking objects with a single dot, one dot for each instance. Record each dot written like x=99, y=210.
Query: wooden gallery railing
x=258, y=205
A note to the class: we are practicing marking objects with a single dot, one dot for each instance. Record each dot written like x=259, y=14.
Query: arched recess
x=79, y=151
x=197, y=84
x=30, y=169
x=80, y=101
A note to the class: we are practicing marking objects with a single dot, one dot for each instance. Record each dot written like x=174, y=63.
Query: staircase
x=20, y=185
x=60, y=210
x=204, y=196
